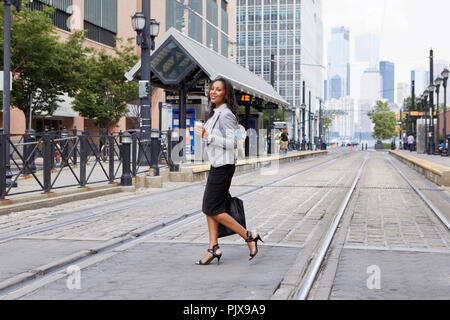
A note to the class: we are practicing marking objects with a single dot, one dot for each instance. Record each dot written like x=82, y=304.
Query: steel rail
x=137, y=236
x=320, y=254
x=427, y=201
x=138, y=201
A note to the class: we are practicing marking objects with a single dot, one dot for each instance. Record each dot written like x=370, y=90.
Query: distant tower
x=387, y=71
x=339, y=63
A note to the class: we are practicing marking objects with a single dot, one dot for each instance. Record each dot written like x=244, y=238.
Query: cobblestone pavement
x=389, y=228
x=403, y=275
x=392, y=237
x=286, y=214
x=104, y=220
x=167, y=271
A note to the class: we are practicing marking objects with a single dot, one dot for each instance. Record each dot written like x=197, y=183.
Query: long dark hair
x=230, y=98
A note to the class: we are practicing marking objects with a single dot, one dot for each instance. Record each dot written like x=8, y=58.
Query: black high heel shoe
x=214, y=255
x=255, y=240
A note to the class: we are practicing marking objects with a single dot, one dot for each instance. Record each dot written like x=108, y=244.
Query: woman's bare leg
x=213, y=229
x=228, y=221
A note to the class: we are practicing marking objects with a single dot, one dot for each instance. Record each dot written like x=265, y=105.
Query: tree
x=43, y=67
x=384, y=121
x=326, y=122
x=104, y=92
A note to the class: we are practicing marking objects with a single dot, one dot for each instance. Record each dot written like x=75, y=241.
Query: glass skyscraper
x=339, y=63
x=216, y=12
x=387, y=71
x=272, y=26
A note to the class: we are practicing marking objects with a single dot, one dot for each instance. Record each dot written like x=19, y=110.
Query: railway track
x=133, y=237
x=319, y=257
x=189, y=219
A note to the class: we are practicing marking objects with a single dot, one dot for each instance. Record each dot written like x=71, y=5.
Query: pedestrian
x=405, y=142
x=278, y=141
x=284, y=141
x=411, y=143
x=241, y=136
x=219, y=136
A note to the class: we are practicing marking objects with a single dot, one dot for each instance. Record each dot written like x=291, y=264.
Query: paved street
x=386, y=224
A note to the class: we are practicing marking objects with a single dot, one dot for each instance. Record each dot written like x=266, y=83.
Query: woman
x=219, y=133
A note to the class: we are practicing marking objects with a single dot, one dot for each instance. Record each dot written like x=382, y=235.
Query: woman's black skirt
x=216, y=192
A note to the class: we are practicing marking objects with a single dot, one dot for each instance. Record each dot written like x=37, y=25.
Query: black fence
x=43, y=157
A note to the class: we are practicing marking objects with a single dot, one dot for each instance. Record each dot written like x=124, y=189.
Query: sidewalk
x=444, y=161
x=434, y=168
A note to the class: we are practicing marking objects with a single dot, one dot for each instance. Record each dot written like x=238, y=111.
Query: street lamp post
x=425, y=107
x=437, y=84
x=431, y=96
x=147, y=30
x=309, y=124
x=7, y=82
x=432, y=133
x=320, y=124
x=303, y=117
x=444, y=75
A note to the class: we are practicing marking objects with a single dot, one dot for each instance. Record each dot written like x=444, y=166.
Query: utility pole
x=413, y=106
x=431, y=146
x=303, y=116
x=7, y=83
x=146, y=104
x=270, y=134
x=309, y=123
x=320, y=124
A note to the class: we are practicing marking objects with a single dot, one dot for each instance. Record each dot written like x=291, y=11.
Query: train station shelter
x=184, y=67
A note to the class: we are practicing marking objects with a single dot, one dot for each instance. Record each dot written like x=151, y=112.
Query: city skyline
x=392, y=20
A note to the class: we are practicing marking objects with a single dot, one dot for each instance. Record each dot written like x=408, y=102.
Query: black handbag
x=235, y=208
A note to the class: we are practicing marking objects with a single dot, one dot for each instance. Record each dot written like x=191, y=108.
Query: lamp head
x=154, y=28
x=445, y=73
x=138, y=22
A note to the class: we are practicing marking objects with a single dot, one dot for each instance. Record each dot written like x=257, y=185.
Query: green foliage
x=327, y=123
x=103, y=90
x=384, y=120
x=43, y=66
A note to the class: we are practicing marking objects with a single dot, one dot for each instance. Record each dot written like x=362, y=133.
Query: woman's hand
x=200, y=131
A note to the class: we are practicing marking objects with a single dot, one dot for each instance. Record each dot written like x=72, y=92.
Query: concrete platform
x=435, y=172
x=200, y=172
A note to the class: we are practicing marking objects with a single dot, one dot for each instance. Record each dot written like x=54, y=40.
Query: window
x=174, y=15
x=224, y=5
x=212, y=34
x=196, y=22
x=224, y=42
x=100, y=21
x=61, y=16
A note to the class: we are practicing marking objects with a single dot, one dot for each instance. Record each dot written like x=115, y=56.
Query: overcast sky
x=408, y=29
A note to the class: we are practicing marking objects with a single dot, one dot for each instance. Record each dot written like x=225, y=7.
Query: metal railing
x=60, y=159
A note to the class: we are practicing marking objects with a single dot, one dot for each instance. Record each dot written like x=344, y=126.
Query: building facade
x=207, y=21
x=266, y=27
x=421, y=78
x=371, y=89
x=367, y=49
x=387, y=71
x=291, y=30
x=343, y=123
x=339, y=63
x=403, y=92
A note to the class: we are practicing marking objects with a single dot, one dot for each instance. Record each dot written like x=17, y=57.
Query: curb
x=53, y=199
x=436, y=173
x=65, y=261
